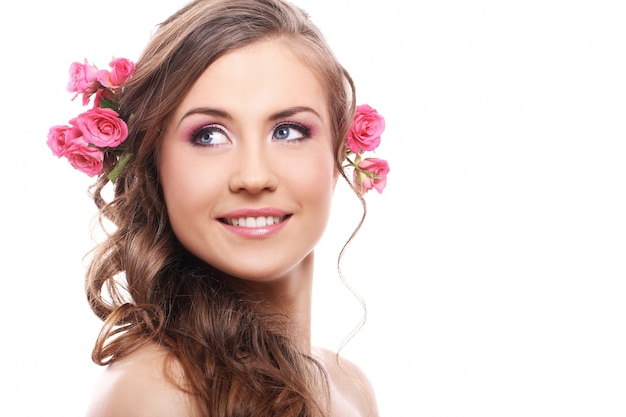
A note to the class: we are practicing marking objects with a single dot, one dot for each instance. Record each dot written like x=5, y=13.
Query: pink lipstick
x=255, y=223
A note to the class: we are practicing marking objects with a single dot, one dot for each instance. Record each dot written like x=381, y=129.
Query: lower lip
x=256, y=232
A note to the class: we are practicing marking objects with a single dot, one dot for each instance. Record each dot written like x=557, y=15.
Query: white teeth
x=254, y=221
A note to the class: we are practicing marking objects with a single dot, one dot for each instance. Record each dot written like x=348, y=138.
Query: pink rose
x=85, y=158
x=365, y=131
x=101, y=127
x=121, y=70
x=82, y=80
x=371, y=173
x=61, y=137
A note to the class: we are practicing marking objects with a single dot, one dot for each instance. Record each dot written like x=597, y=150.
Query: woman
x=235, y=122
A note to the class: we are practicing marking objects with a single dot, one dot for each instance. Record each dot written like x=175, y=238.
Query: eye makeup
x=207, y=127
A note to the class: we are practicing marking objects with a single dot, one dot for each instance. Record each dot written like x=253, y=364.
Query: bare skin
x=136, y=386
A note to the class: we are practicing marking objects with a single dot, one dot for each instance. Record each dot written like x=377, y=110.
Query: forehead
x=260, y=78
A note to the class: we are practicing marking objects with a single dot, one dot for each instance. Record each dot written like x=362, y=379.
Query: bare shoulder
x=136, y=386
x=352, y=388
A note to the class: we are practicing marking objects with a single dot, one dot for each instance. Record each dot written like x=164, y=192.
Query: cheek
x=187, y=187
x=173, y=177
x=315, y=179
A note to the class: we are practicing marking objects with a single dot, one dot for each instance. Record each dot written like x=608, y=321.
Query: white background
x=493, y=265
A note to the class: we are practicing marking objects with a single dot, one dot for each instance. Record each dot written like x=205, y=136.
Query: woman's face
x=247, y=164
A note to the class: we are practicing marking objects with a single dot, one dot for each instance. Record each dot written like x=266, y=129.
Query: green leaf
x=119, y=167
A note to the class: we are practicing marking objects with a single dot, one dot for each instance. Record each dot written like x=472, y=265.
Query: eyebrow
x=291, y=111
x=275, y=116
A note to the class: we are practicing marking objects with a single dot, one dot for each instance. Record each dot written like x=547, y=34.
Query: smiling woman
x=271, y=133
x=231, y=132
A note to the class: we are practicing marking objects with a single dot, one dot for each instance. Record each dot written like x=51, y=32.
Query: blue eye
x=291, y=131
x=209, y=136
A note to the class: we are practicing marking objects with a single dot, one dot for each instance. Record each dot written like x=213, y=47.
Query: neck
x=291, y=295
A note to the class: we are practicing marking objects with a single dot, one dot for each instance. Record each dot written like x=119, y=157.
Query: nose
x=254, y=171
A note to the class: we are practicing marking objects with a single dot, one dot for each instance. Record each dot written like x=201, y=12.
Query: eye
x=210, y=136
x=291, y=131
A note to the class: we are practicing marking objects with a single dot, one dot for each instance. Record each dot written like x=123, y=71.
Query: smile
x=254, y=222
